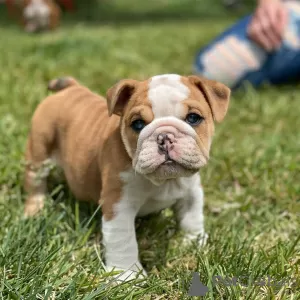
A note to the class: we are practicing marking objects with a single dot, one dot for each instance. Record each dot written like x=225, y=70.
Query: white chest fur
x=152, y=198
x=140, y=197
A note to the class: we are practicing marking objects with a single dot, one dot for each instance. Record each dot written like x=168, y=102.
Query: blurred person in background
x=261, y=48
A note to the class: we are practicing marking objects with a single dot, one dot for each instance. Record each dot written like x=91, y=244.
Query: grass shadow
x=153, y=234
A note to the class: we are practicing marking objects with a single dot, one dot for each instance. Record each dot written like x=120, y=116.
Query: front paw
x=33, y=205
x=199, y=238
x=125, y=275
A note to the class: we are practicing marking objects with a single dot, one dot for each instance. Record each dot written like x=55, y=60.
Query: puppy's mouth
x=170, y=169
x=169, y=161
x=171, y=164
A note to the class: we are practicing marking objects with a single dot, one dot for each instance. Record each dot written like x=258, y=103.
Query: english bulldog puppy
x=136, y=153
x=40, y=15
x=35, y=15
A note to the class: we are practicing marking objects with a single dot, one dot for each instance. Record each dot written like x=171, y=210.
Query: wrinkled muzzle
x=169, y=148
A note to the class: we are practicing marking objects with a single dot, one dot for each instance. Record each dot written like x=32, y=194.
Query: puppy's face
x=167, y=122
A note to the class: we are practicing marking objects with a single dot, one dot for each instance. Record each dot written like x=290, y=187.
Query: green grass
x=251, y=183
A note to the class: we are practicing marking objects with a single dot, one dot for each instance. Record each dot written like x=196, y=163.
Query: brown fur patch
x=139, y=107
x=215, y=93
x=74, y=126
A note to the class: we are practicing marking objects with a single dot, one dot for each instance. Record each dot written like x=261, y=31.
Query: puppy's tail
x=61, y=83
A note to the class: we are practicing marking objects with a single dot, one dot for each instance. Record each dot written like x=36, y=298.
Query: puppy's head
x=37, y=14
x=167, y=122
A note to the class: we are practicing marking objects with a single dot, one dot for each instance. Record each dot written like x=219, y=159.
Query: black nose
x=165, y=141
x=161, y=138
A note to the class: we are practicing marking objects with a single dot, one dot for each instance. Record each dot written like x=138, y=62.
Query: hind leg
x=38, y=165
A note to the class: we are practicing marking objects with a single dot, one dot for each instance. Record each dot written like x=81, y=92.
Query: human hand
x=268, y=24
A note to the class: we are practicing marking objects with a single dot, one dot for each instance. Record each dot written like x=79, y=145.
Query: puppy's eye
x=138, y=125
x=193, y=119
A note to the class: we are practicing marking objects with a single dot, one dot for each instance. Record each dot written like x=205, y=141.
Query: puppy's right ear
x=119, y=95
x=216, y=93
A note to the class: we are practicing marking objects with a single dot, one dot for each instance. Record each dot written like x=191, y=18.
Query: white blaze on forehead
x=166, y=92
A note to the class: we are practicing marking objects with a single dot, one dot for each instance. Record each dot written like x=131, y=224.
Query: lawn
x=252, y=182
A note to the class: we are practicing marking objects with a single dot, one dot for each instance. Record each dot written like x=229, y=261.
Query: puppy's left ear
x=216, y=94
x=119, y=95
